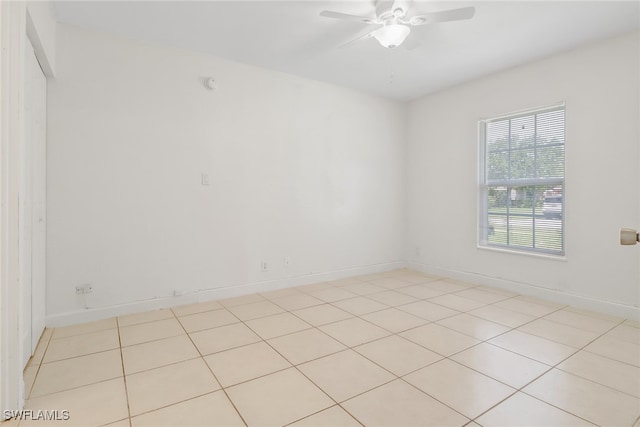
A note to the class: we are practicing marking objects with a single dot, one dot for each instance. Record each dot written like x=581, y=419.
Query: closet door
x=33, y=206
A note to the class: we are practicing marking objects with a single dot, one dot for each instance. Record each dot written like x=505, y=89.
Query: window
x=522, y=181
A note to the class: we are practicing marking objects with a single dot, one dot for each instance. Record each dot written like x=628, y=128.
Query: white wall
x=297, y=168
x=600, y=85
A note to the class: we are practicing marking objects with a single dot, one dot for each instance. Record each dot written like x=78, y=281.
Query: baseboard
x=91, y=314
x=575, y=300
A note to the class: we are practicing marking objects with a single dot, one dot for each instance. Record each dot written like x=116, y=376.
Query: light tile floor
x=398, y=348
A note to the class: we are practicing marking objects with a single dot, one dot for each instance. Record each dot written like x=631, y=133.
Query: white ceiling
x=290, y=36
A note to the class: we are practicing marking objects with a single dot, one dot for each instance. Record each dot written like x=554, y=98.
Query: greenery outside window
x=522, y=189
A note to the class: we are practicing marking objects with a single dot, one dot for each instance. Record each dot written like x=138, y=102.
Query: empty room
x=319, y=213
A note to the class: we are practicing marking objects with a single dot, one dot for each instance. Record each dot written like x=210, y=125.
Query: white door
x=39, y=205
x=32, y=207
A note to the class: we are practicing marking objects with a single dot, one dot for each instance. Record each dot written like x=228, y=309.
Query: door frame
x=12, y=77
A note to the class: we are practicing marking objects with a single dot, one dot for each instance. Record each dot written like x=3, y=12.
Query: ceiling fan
x=394, y=23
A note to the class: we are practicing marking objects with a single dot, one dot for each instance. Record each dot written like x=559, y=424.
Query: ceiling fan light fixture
x=392, y=35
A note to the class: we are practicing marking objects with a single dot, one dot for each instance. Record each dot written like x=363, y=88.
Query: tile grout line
x=124, y=375
x=347, y=347
x=213, y=373
x=83, y=333
x=80, y=355
x=311, y=381
x=551, y=367
x=555, y=366
x=322, y=410
x=296, y=367
x=611, y=359
x=76, y=387
x=481, y=373
x=149, y=321
x=401, y=377
x=454, y=361
x=35, y=377
x=351, y=348
x=505, y=349
x=395, y=377
x=583, y=348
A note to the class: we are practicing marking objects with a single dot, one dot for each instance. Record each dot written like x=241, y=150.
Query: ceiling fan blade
x=347, y=17
x=443, y=16
x=384, y=6
x=360, y=38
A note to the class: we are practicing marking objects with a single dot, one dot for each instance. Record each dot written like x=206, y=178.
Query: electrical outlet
x=84, y=289
x=287, y=262
x=265, y=266
x=418, y=251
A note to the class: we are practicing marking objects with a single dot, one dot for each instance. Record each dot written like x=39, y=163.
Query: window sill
x=562, y=258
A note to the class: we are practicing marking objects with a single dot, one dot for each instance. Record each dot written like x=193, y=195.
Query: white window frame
x=484, y=184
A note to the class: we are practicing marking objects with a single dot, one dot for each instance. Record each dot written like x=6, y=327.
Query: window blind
x=522, y=181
